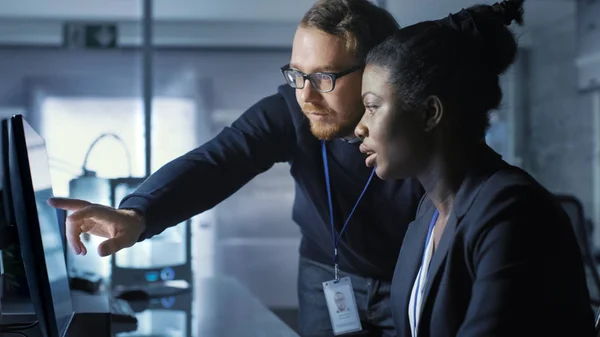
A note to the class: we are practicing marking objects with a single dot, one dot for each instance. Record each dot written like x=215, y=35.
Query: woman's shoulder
x=513, y=196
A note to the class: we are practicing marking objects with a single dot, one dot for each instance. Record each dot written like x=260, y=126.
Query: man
x=322, y=101
x=340, y=302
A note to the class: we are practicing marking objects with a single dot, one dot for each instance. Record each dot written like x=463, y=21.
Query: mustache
x=315, y=108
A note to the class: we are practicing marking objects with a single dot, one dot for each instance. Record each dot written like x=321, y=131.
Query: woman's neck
x=444, y=175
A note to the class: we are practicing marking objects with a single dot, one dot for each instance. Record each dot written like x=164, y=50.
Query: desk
x=215, y=307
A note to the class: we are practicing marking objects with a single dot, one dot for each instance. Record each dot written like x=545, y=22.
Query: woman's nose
x=361, y=131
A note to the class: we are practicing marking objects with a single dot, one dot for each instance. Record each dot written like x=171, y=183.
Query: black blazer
x=507, y=264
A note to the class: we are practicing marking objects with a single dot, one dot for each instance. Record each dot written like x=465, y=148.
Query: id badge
x=342, y=306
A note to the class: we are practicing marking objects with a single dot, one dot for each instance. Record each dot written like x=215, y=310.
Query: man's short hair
x=361, y=24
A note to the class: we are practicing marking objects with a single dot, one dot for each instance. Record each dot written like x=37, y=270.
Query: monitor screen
x=56, y=268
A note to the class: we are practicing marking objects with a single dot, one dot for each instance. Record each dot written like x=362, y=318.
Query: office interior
x=119, y=88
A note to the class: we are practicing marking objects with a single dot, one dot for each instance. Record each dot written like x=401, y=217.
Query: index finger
x=92, y=212
x=68, y=204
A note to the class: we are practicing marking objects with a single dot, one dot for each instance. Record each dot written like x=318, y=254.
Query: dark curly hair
x=458, y=59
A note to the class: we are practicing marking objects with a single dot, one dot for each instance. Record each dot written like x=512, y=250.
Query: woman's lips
x=371, y=155
x=371, y=159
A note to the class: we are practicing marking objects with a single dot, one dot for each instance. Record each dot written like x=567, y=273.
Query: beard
x=330, y=127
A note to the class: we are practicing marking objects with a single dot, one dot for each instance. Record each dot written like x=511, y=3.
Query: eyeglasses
x=321, y=81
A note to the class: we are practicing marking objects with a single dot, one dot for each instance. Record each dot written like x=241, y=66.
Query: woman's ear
x=433, y=110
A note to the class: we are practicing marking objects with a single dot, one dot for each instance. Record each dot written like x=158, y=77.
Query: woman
x=490, y=253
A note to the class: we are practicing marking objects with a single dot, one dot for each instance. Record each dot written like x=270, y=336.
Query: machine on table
x=155, y=274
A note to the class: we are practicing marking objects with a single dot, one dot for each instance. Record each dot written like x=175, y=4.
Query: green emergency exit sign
x=92, y=36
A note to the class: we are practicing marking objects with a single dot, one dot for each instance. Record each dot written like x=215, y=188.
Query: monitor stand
x=92, y=315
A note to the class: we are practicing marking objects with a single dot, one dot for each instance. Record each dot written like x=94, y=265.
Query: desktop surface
x=219, y=306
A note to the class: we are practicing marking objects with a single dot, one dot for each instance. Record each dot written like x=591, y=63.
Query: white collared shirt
x=416, y=295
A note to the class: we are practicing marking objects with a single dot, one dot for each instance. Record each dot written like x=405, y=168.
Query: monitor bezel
x=7, y=204
x=28, y=227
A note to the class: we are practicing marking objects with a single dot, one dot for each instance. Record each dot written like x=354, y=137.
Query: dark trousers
x=372, y=300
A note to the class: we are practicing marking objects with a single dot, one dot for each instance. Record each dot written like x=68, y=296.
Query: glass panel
x=70, y=136
x=173, y=134
x=66, y=119
x=69, y=132
x=173, y=129
x=165, y=249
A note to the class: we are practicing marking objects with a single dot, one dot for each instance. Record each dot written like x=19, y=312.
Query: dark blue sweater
x=275, y=130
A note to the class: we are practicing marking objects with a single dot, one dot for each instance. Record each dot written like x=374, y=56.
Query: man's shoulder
x=280, y=104
x=283, y=99
x=277, y=114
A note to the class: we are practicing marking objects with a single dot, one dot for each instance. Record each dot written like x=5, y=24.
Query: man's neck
x=352, y=139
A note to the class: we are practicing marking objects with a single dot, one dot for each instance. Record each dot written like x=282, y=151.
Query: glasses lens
x=322, y=82
x=294, y=78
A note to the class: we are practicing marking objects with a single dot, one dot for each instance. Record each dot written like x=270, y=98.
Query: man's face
x=331, y=114
x=339, y=301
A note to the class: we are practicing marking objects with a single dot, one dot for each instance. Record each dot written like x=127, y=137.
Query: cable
x=18, y=326
x=65, y=167
x=104, y=135
x=13, y=333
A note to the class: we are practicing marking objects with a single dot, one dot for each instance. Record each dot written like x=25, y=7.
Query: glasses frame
x=333, y=75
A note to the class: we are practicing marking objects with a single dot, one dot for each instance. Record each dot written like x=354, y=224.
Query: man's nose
x=309, y=93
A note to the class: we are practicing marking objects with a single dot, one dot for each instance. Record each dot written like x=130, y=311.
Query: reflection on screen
x=53, y=249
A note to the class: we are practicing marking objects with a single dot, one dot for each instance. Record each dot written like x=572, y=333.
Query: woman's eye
x=370, y=108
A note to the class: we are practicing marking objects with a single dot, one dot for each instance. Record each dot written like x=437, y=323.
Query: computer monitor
x=7, y=230
x=7, y=206
x=8, y=235
x=5, y=222
x=38, y=230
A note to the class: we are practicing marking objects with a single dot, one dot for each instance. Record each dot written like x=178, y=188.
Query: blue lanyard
x=336, y=241
x=431, y=225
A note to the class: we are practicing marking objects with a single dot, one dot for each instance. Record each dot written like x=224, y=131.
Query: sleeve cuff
x=141, y=206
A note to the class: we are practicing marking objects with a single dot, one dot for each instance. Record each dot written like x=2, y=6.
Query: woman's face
x=394, y=139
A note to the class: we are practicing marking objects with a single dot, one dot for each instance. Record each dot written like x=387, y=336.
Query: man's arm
x=202, y=178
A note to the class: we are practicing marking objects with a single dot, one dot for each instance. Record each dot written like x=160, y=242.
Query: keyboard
x=121, y=311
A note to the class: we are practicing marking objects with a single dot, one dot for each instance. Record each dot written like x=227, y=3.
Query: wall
x=242, y=11
x=240, y=23
x=184, y=10
x=588, y=66
x=48, y=32
x=239, y=77
x=265, y=23
x=561, y=126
